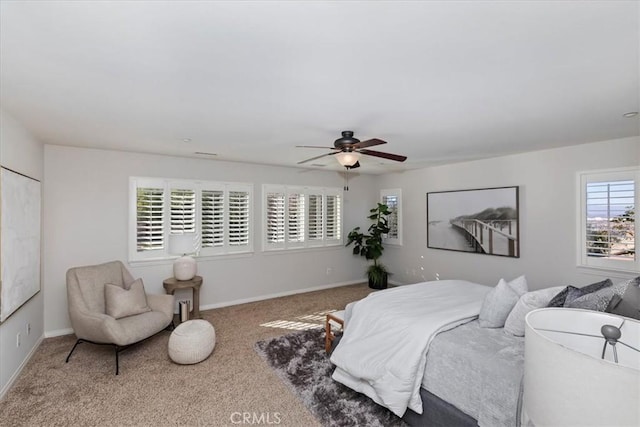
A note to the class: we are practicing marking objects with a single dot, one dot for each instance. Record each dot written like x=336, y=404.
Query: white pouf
x=192, y=342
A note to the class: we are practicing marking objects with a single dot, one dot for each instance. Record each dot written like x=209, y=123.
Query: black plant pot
x=382, y=285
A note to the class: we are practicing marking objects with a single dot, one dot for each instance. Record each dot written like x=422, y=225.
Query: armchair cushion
x=120, y=302
x=93, y=278
x=132, y=329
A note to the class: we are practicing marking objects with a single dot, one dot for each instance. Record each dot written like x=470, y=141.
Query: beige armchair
x=88, y=312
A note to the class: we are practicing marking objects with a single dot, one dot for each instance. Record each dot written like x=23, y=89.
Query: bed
x=451, y=353
x=451, y=398
x=471, y=376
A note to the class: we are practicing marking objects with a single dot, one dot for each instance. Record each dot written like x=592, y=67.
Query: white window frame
x=289, y=244
x=395, y=192
x=604, y=175
x=198, y=186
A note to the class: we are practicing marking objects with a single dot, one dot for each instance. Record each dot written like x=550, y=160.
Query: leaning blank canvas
x=20, y=200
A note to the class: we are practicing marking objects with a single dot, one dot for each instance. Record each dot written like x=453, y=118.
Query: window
x=393, y=200
x=301, y=217
x=608, y=226
x=217, y=214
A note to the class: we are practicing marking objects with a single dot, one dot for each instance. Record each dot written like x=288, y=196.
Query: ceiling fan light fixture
x=348, y=158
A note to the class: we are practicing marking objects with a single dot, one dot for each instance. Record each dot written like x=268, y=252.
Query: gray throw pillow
x=500, y=301
x=621, y=288
x=121, y=302
x=627, y=304
x=560, y=299
x=597, y=301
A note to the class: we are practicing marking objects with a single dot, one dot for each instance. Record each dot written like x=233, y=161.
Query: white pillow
x=499, y=301
x=514, y=324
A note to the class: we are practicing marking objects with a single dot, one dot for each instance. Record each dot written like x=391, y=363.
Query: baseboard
x=68, y=331
x=58, y=333
x=278, y=295
x=16, y=374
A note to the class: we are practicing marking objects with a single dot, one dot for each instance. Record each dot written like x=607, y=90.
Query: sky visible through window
x=609, y=199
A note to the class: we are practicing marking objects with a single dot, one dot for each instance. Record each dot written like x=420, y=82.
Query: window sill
x=308, y=249
x=392, y=245
x=613, y=272
x=169, y=261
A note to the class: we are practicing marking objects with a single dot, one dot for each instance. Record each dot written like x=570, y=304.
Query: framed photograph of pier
x=484, y=221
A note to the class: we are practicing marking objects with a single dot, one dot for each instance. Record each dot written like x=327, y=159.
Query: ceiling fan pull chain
x=346, y=179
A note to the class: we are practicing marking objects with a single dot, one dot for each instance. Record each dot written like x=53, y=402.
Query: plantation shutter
x=610, y=217
x=275, y=213
x=312, y=217
x=316, y=209
x=295, y=218
x=183, y=211
x=392, y=198
x=149, y=219
x=212, y=218
x=239, y=217
x=333, y=231
x=392, y=219
x=217, y=214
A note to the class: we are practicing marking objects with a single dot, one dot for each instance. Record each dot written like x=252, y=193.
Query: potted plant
x=370, y=245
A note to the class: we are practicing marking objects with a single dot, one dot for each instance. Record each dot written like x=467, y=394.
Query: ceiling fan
x=348, y=150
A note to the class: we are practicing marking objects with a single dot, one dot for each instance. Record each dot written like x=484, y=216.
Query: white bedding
x=384, y=346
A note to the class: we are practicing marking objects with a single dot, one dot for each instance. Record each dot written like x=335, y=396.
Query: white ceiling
x=440, y=81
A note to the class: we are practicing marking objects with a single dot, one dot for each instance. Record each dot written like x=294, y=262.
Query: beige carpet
x=233, y=386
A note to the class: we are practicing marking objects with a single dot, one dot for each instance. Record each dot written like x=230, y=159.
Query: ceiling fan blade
x=317, y=157
x=389, y=156
x=316, y=146
x=369, y=143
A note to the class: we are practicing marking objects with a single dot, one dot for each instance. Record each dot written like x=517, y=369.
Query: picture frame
x=484, y=221
x=20, y=225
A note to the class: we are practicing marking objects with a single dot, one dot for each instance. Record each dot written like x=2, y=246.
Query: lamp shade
x=181, y=244
x=348, y=158
x=566, y=380
x=185, y=267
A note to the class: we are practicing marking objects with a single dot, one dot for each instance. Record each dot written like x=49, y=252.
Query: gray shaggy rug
x=300, y=361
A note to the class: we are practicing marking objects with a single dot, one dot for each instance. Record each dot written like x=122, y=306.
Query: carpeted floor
x=232, y=387
x=302, y=363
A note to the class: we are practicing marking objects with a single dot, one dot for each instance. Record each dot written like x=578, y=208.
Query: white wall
x=86, y=203
x=547, y=181
x=20, y=152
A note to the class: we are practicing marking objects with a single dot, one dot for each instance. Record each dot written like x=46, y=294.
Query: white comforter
x=384, y=347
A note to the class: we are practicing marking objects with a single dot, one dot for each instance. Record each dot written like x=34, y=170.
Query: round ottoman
x=192, y=342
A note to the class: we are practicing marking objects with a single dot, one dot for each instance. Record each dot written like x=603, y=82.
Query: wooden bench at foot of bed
x=334, y=322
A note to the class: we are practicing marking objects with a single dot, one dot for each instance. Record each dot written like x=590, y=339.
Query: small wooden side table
x=172, y=284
